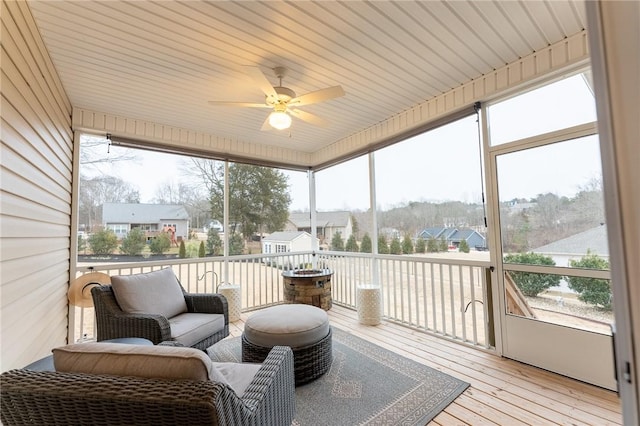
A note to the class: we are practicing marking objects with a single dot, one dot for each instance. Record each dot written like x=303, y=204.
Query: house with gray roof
x=151, y=218
x=453, y=236
x=576, y=246
x=592, y=240
x=328, y=224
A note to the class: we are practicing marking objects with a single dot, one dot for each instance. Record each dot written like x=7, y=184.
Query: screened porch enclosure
x=418, y=253
x=113, y=75
x=430, y=190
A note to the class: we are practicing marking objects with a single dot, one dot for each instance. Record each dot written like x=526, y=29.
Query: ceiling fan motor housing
x=284, y=94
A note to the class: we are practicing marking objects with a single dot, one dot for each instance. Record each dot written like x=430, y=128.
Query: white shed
x=287, y=241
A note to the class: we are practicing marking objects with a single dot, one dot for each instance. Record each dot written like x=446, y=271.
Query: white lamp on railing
x=80, y=289
x=233, y=294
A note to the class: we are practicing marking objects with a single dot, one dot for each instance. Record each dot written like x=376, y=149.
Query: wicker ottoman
x=304, y=328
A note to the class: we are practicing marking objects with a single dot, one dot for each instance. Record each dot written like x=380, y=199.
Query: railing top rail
x=559, y=270
x=142, y=263
x=245, y=257
x=411, y=258
x=179, y=261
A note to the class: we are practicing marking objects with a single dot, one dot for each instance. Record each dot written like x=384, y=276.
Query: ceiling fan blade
x=317, y=96
x=239, y=104
x=266, y=125
x=260, y=80
x=308, y=117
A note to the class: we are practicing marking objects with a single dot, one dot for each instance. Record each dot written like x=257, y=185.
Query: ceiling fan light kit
x=280, y=120
x=283, y=100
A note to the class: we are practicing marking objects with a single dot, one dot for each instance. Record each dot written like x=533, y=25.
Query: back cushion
x=156, y=292
x=117, y=359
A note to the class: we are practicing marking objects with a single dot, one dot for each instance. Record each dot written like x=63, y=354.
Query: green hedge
x=593, y=291
x=531, y=283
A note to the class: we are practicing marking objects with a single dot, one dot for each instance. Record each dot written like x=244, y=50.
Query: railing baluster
x=463, y=322
x=473, y=304
x=417, y=292
x=425, y=310
x=433, y=298
x=404, y=284
x=442, y=303
x=452, y=302
x=417, y=282
x=393, y=289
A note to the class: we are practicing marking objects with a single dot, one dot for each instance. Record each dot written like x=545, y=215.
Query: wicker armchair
x=113, y=323
x=55, y=398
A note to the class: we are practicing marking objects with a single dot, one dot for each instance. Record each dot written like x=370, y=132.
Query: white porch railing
x=438, y=295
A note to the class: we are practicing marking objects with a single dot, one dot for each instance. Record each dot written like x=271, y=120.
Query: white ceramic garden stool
x=369, y=304
x=233, y=294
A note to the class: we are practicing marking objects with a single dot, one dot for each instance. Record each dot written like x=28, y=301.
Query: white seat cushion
x=190, y=328
x=237, y=375
x=294, y=325
x=156, y=292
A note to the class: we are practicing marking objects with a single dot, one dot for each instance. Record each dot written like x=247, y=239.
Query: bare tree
x=96, y=150
x=588, y=205
x=207, y=172
x=191, y=196
x=99, y=187
x=173, y=193
x=94, y=192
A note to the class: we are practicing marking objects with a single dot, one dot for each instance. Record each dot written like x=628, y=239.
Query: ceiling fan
x=283, y=101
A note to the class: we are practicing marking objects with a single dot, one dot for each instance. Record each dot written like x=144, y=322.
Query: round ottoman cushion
x=294, y=325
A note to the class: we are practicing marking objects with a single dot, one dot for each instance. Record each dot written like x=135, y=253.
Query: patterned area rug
x=366, y=384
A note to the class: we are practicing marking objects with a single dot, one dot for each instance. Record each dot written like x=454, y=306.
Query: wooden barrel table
x=308, y=286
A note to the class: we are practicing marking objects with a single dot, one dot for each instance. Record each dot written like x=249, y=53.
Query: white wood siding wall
x=35, y=190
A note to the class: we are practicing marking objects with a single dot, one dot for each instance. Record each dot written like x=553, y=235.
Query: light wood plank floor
x=502, y=391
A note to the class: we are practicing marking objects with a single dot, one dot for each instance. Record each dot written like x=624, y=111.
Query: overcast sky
x=441, y=165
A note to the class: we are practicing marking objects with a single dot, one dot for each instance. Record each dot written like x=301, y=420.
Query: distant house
x=213, y=224
x=516, y=207
x=328, y=223
x=576, y=246
x=453, y=236
x=390, y=233
x=287, y=241
x=151, y=218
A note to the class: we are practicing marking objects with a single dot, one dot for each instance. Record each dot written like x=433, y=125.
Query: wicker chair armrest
x=30, y=397
x=154, y=327
x=207, y=303
x=274, y=381
x=173, y=343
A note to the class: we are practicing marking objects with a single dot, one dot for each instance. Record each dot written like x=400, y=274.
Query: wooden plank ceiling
x=162, y=61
